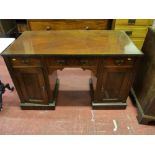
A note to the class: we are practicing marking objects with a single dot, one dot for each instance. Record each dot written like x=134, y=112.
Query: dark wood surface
x=73, y=42
x=144, y=85
x=35, y=75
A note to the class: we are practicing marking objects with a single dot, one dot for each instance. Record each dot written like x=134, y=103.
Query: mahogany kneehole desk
x=32, y=61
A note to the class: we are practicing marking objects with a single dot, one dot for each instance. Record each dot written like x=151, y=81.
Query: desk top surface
x=73, y=42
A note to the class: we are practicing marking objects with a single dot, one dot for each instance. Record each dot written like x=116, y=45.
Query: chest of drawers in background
x=69, y=24
x=135, y=28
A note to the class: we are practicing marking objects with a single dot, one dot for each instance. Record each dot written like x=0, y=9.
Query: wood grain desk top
x=73, y=42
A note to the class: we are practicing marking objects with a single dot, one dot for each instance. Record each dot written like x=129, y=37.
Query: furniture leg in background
x=2, y=91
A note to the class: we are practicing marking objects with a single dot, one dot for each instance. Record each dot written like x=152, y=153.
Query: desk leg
x=55, y=93
x=91, y=89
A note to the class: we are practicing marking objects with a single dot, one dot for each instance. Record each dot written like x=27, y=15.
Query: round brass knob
x=13, y=59
x=87, y=27
x=48, y=28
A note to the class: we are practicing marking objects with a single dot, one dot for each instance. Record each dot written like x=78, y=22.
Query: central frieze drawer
x=62, y=61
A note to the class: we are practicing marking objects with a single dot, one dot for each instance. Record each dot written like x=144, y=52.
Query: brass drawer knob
x=87, y=28
x=13, y=59
x=48, y=28
x=129, y=59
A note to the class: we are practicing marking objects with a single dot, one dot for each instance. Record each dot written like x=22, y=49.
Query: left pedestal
x=30, y=79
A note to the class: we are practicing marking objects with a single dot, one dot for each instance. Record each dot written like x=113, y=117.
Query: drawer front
x=68, y=24
x=25, y=62
x=133, y=31
x=138, y=22
x=119, y=62
x=138, y=42
x=61, y=61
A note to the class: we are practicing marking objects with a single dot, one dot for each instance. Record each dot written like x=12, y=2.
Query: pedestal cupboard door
x=32, y=85
x=115, y=84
